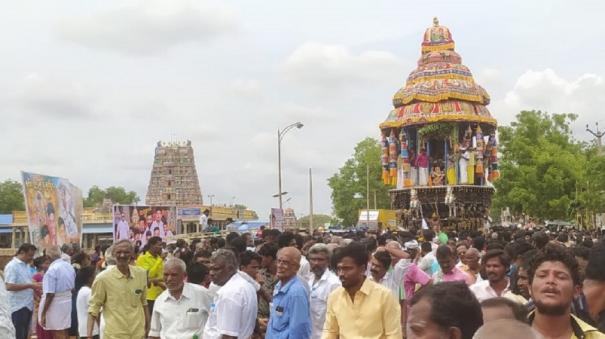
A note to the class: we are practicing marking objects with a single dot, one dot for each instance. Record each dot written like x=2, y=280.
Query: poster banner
x=54, y=210
x=139, y=223
x=277, y=219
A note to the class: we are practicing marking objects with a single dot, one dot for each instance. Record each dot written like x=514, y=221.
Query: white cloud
x=335, y=65
x=51, y=97
x=548, y=91
x=149, y=27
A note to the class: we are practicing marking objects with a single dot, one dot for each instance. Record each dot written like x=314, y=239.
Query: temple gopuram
x=439, y=146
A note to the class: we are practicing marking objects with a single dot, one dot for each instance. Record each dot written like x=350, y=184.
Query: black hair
x=355, y=251
x=371, y=244
x=444, y=251
x=152, y=241
x=595, y=270
x=203, y=254
x=85, y=276
x=273, y=233
x=24, y=248
x=40, y=260
x=220, y=242
x=519, y=310
x=384, y=258
x=554, y=252
x=453, y=305
x=196, y=273
x=230, y=237
x=500, y=254
x=79, y=257
x=581, y=252
x=521, y=247
x=300, y=241
x=269, y=250
x=494, y=244
x=238, y=245
x=479, y=242
x=247, y=257
x=540, y=239
x=285, y=239
x=563, y=237
x=428, y=235
x=587, y=242
x=426, y=246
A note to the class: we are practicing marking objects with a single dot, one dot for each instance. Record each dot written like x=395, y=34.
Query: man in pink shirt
x=449, y=271
x=422, y=162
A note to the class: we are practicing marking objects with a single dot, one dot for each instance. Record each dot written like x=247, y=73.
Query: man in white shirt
x=157, y=226
x=56, y=301
x=181, y=311
x=233, y=312
x=122, y=230
x=496, y=264
x=204, y=220
x=322, y=283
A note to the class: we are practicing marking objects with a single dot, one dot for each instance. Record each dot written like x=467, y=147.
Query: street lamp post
x=280, y=136
x=211, y=196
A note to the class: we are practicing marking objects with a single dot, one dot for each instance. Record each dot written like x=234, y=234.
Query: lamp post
x=280, y=136
x=211, y=196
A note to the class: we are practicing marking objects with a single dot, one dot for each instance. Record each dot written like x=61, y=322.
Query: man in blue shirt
x=290, y=315
x=20, y=287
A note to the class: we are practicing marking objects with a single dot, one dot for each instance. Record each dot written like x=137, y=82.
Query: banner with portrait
x=139, y=223
x=277, y=219
x=54, y=210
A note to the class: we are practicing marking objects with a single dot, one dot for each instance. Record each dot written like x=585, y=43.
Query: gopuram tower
x=439, y=144
x=174, y=180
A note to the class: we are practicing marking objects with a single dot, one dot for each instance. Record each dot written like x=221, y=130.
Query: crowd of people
x=498, y=283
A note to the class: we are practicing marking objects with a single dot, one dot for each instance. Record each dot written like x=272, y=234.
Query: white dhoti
x=400, y=178
x=58, y=315
x=423, y=176
x=462, y=172
x=414, y=175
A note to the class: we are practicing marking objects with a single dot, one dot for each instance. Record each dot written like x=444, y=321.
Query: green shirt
x=121, y=299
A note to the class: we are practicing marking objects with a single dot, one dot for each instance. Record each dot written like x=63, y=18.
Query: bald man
x=505, y=329
x=289, y=315
x=471, y=264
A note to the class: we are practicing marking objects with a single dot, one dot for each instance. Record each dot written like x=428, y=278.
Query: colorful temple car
x=440, y=131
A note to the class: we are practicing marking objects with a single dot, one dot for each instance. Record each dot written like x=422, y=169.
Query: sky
x=87, y=88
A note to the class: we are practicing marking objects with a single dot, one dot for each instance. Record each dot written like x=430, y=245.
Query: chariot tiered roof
x=440, y=89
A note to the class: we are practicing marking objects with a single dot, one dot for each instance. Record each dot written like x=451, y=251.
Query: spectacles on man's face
x=284, y=263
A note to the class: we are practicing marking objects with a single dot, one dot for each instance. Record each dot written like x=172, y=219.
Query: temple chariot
x=439, y=145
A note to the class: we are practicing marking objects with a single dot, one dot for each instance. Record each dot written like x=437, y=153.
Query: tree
x=11, y=196
x=117, y=195
x=350, y=181
x=318, y=220
x=541, y=165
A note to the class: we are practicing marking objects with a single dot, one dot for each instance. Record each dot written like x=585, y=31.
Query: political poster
x=54, y=210
x=277, y=219
x=139, y=223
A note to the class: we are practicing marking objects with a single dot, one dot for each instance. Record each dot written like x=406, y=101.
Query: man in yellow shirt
x=120, y=291
x=152, y=262
x=554, y=281
x=360, y=308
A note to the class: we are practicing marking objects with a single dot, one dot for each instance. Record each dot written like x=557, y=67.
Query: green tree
x=318, y=220
x=117, y=195
x=350, y=181
x=11, y=196
x=541, y=165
